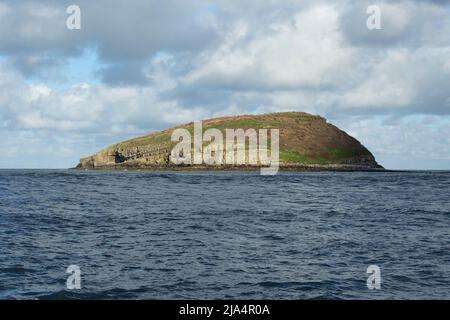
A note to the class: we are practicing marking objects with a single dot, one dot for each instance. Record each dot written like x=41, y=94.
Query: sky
x=137, y=66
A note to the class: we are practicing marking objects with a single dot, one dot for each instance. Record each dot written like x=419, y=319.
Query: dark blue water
x=218, y=235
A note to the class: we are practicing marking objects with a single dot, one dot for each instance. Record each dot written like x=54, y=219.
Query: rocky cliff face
x=306, y=141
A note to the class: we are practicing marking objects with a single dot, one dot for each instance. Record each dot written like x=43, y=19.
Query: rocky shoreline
x=294, y=167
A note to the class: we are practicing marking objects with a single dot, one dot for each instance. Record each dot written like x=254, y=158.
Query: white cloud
x=302, y=51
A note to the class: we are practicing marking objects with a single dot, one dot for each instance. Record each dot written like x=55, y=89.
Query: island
x=305, y=143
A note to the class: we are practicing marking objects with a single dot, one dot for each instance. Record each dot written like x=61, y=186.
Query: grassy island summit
x=306, y=142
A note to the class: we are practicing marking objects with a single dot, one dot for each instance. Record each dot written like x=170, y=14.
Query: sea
x=68, y=234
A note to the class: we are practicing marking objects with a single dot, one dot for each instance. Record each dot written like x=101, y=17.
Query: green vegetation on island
x=306, y=142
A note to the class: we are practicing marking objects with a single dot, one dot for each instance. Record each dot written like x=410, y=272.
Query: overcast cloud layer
x=138, y=66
